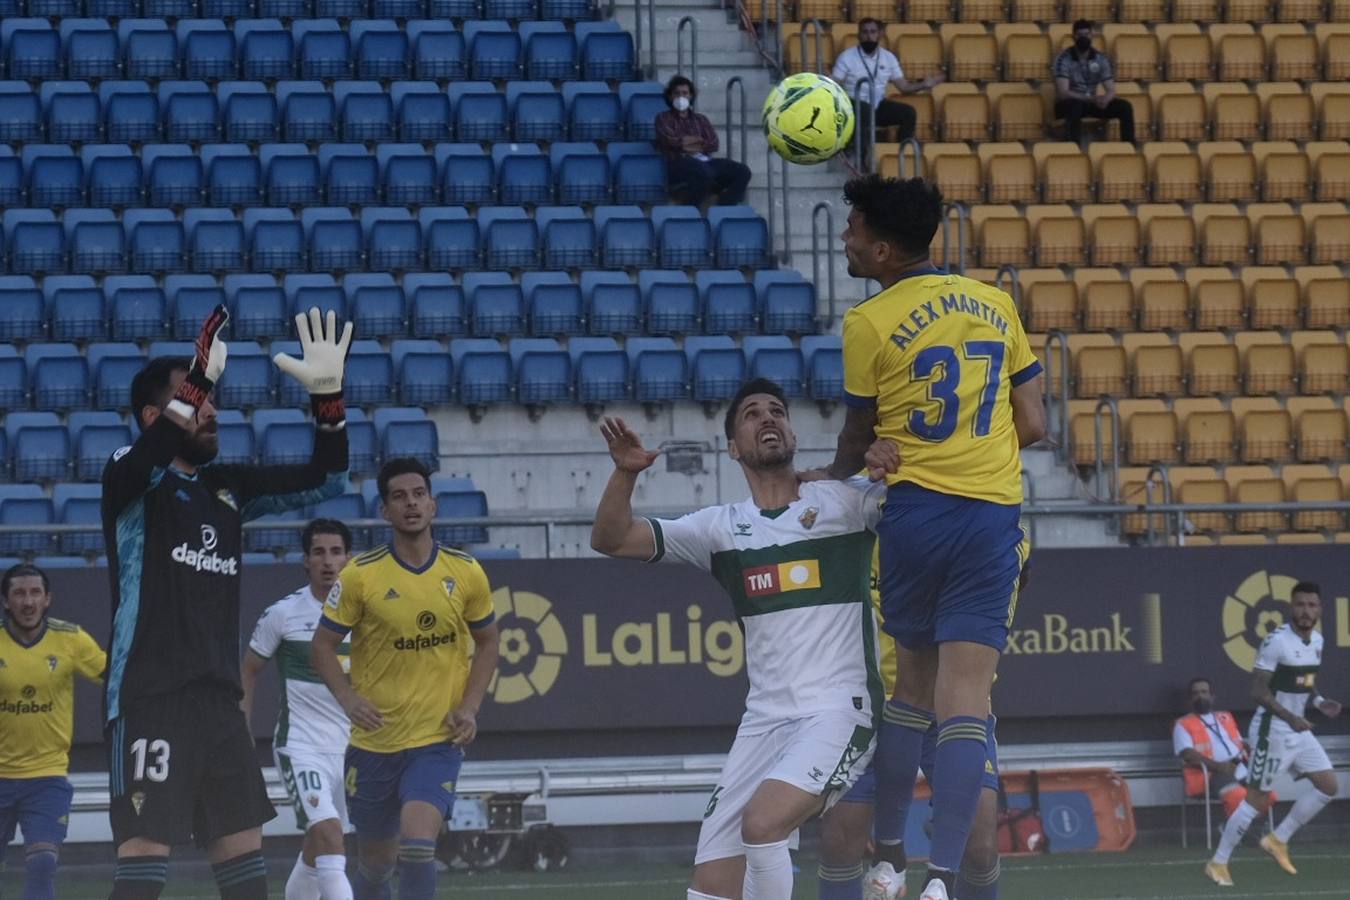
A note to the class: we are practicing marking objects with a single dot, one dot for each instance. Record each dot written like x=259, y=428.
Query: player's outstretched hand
x=625, y=447
x=1298, y=723
x=362, y=712
x=1329, y=708
x=210, y=349
x=882, y=459
x=324, y=352
x=463, y=727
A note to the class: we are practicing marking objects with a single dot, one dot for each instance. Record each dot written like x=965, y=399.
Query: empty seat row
x=131, y=112
x=321, y=239
x=304, y=9
x=265, y=49
x=233, y=175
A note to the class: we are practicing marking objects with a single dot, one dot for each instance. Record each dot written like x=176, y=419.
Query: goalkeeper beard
x=202, y=445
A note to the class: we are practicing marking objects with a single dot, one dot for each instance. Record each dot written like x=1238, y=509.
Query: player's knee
x=1326, y=783
x=761, y=826
x=981, y=852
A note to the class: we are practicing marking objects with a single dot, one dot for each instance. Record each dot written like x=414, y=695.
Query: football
x=808, y=118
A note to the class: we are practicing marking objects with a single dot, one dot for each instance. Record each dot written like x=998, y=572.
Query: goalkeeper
x=180, y=757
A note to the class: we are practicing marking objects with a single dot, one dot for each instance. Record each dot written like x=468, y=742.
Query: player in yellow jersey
x=39, y=659
x=939, y=365
x=423, y=649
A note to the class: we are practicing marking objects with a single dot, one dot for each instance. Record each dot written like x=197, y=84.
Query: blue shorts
x=40, y=806
x=378, y=784
x=949, y=567
x=864, y=790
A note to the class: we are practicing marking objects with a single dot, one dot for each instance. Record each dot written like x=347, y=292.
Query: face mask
x=1082, y=43
x=1202, y=705
x=680, y=104
x=868, y=47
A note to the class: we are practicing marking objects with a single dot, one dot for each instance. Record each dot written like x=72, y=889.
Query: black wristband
x=330, y=411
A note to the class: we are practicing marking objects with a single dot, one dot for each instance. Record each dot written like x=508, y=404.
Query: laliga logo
x=1252, y=612
x=532, y=644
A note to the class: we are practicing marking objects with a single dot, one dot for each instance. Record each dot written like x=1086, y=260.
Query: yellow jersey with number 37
x=937, y=356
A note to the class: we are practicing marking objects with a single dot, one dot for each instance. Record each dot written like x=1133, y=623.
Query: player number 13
x=940, y=366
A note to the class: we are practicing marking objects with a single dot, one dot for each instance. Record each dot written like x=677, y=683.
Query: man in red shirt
x=687, y=140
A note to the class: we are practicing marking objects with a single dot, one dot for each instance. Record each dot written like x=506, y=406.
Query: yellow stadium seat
x=825, y=10
x=1169, y=240
x=1135, y=95
x=1151, y=437
x=1051, y=306
x=1212, y=369
x=1333, y=110
x=760, y=10
x=1180, y=112
x=1326, y=303
x=1317, y=490
x=1247, y=11
x=1239, y=56
x=1114, y=239
x=1009, y=173
x=1195, y=10
x=1298, y=10
x=956, y=169
x=1026, y=56
x=889, y=157
x=962, y=112
x=1230, y=172
x=1329, y=228
x=1324, y=368
x=1143, y=11
x=1019, y=115
x=1274, y=302
x=918, y=48
x=1336, y=57
x=1284, y=170
x=1292, y=473
x=1205, y=491
x=1259, y=490
x=1120, y=172
x=1058, y=236
x=1234, y=112
x=1209, y=437
x=953, y=232
x=1100, y=370
x=1331, y=176
x=1218, y=301
x=1174, y=171
x=1225, y=236
x=1035, y=11
x=1287, y=111
x=1267, y=436
x=1108, y=306
x=1134, y=51
x=982, y=10
x=1268, y=368
x=1188, y=55
x=1293, y=57
x=1158, y=371
x=881, y=10
x=1338, y=11
x=1002, y=234
x=1322, y=435
x=1163, y=305
x=1280, y=239
x=1083, y=427
x=929, y=11
x=971, y=52
x=1096, y=10
x=807, y=49
x=845, y=35
x=1065, y=172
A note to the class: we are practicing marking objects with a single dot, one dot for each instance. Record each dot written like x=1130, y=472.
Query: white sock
x=692, y=894
x=768, y=871
x=304, y=881
x=1237, y=826
x=1305, y=807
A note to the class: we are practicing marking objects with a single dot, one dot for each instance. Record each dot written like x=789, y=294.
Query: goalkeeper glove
x=320, y=371
x=208, y=363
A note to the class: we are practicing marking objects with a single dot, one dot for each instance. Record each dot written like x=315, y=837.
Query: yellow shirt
x=410, y=640
x=937, y=356
x=37, y=697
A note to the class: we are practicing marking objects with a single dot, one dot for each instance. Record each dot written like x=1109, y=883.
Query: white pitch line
x=1228, y=895
x=1014, y=866
x=563, y=885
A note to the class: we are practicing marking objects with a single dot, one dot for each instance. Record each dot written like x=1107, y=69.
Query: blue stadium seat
x=344, y=508
x=237, y=440
x=149, y=49
x=824, y=356
x=626, y=236
x=398, y=9
x=461, y=504
x=639, y=173
x=284, y=9
x=393, y=239
x=523, y=174
x=275, y=240
x=333, y=237
x=568, y=237
x=613, y=303
x=112, y=8
x=258, y=309
x=740, y=237
x=408, y=432
x=642, y=102
x=80, y=504
x=170, y=348
x=169, y=9
x=774, y=357
x=536, y=111
x=438, y=51
x=671, y=300
x=55, y=176
x=249, y=111
x=290, y=174
x=510, y=238
x=600, y=369
x=787, y=301
x=35, y=241
x=136, y=309
x=220, y=9
x=424, y=372
x=20, y=113
x=308, y=111
x=351, y=176
x=363, y=445
x=91, y=49
x=454, y=9
x=553, y=302
x=567, y=9
x=543, y=371
x=75, y=305
x=660, y=371
x=496, y=304
x=365, y=112
x=407, y=174
x=156, y=243
x=72, y=111
x=275, y=540
x=483, y=369
x=22, y=310
x=494, y=50
x=94, y=444
x=717, y=366
x=42, y=453
x=233, y=175
x=377, y=305
x=284, y=436
x=580, y=172
x=113, y=175
x=606, y=51
x=191, y=299
x=96, y=243
x=682, y=236
x=13, y=382
x=174, y=175
x=11, y=179
x=306, y=291
x=381, y=49
x=550, y=51
x=593, y=111
x=421, y=111
x=216, y=240
x=436, y=304
x=248, y=379
x=18, y=420
x=130, y=112
x=112, y=367
x=208, y=49
x=479, y=111
x=32, y=48
x=25, y=509
x=452, y=238
x=344, y=9
x=369, y=375
x=468, y=174
x=729, y=303
x=53, y=8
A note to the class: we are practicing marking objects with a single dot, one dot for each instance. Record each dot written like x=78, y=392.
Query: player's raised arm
x=616, y=532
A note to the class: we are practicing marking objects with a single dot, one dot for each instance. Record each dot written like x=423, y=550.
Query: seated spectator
x=869, y=61
x=687, y=140
x=1079, y=71
x=1209, y=740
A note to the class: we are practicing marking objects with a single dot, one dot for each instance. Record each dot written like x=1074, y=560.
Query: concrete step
x=1072, y=531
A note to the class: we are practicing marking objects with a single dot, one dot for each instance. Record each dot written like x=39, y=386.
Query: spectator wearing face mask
x=870, y=62
x=1079, y=71
x=1210, y=740
x=688, y=142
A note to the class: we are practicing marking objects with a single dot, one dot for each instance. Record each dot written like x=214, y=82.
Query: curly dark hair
x=904, y=212
x=677, y=81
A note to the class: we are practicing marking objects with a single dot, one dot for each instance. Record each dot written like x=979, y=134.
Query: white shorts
x=822, y=754
x=1283, y=751
x=314, y=782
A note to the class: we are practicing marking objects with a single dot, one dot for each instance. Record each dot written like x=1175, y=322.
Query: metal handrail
x=861, y=127
x=693, y=47
x=917, y=156
x=1109, y=404
x=1160, y=470
x=962, y=218
x=739, y=84
x=829, y=251
x=819, y=28
x=651, y=36
x=1062, y=408
x=769, y=156
x=1011, y=271
x=777, y=31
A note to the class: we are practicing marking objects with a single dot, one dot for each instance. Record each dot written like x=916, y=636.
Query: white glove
x=325, y=354
x=215, y=361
